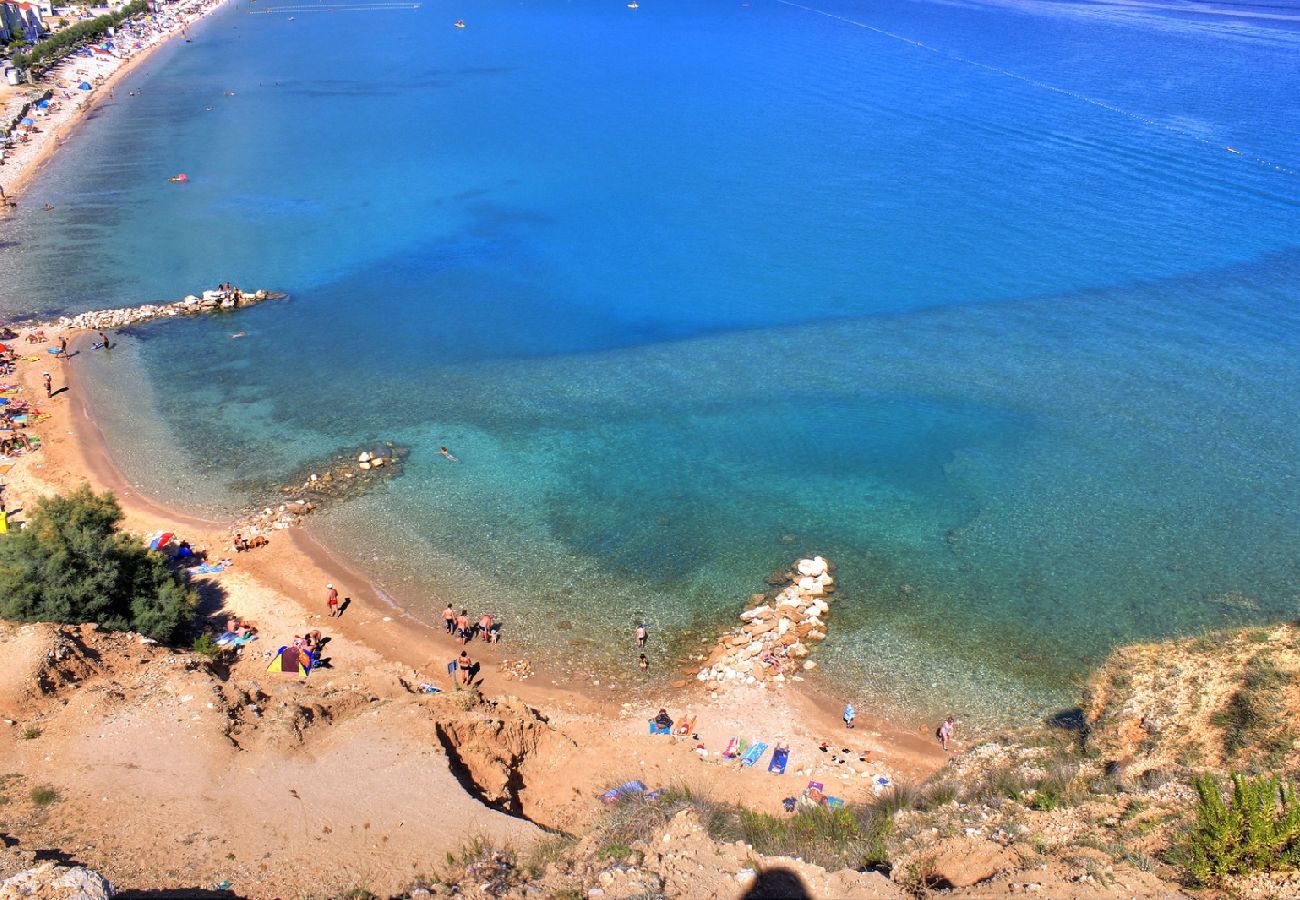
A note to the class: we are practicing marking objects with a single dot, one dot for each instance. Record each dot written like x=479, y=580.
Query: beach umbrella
x=160, y=540
x=84, y=86
x=44, y=104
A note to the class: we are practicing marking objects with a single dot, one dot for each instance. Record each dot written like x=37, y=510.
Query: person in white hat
x=332, y=600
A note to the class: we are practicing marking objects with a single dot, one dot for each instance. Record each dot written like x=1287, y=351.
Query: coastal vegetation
x=72, y=564
x=1255, y=829
x=61, y=43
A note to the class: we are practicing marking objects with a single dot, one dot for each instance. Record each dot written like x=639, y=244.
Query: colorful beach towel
x=660, y=729
x=753, y=754
x=730, y=752
x=780, y=756
x=206, y=569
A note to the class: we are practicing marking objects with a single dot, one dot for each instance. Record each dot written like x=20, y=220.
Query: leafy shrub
x=1257, y=830
x=72, y=565
x=44, y=796
x=31, y=732
x=204, y=645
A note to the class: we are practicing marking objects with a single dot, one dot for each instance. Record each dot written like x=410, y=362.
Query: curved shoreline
x=49, y=142
x=296, y=566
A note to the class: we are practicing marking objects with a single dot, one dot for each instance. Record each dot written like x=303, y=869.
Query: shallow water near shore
x=970, y=298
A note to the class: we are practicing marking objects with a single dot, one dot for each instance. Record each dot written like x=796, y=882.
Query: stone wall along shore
x=211, y=301
x=777, y=631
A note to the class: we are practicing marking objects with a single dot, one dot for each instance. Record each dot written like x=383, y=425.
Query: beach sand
x=377, y=648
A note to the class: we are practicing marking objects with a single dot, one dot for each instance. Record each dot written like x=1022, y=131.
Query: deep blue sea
x=972, y=297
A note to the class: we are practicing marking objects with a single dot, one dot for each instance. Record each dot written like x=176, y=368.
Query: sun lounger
x=780, y=756
x=630, y=789
x=753, y=754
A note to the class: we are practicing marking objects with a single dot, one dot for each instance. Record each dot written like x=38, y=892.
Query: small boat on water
x=460, y=23
x=633, y=5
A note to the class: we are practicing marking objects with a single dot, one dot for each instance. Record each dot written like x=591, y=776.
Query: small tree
x=72, y=565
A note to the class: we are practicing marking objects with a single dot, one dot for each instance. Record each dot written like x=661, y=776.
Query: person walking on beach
x=49, y=385
x=945, y=732
x=63, y=346
x=332, y=600
x=462, y=626
x=641, y=635
x=464, y=668
x=485, y=627
x=449, y=619
x=849, y=715
x=103, y=341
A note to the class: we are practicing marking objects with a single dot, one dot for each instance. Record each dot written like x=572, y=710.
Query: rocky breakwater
x=211, y=301
x=333, y=480
x=777, y=631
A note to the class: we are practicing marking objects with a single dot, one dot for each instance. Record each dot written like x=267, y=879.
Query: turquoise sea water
x=968, y=296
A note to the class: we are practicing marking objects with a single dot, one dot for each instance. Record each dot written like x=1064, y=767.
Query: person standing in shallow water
x=449, y=619
x=641, y=635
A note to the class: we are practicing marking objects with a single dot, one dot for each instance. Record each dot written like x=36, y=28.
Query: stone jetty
x=210, y=301
x=777, y=630
x=333, y=480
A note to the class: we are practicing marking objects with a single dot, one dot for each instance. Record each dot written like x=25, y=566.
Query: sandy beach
x=281, y=588
x=69, y=106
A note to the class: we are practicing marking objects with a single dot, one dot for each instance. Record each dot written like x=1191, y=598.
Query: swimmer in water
x=447, y=453
x=239, y=334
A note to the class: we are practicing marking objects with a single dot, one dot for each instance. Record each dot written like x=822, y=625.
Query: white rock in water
x=812, y=567
x=755, y=612
x=810, y=586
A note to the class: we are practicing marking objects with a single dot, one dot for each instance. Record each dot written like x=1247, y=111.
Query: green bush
x=44, y=796
x=1257, y=830
x=60, y=44
x=204, y=645
x=71, y=565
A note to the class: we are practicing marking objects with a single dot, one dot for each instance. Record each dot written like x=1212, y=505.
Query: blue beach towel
x=660, y=729
x=780, y=756
x=614, y=794
x=753, y=754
